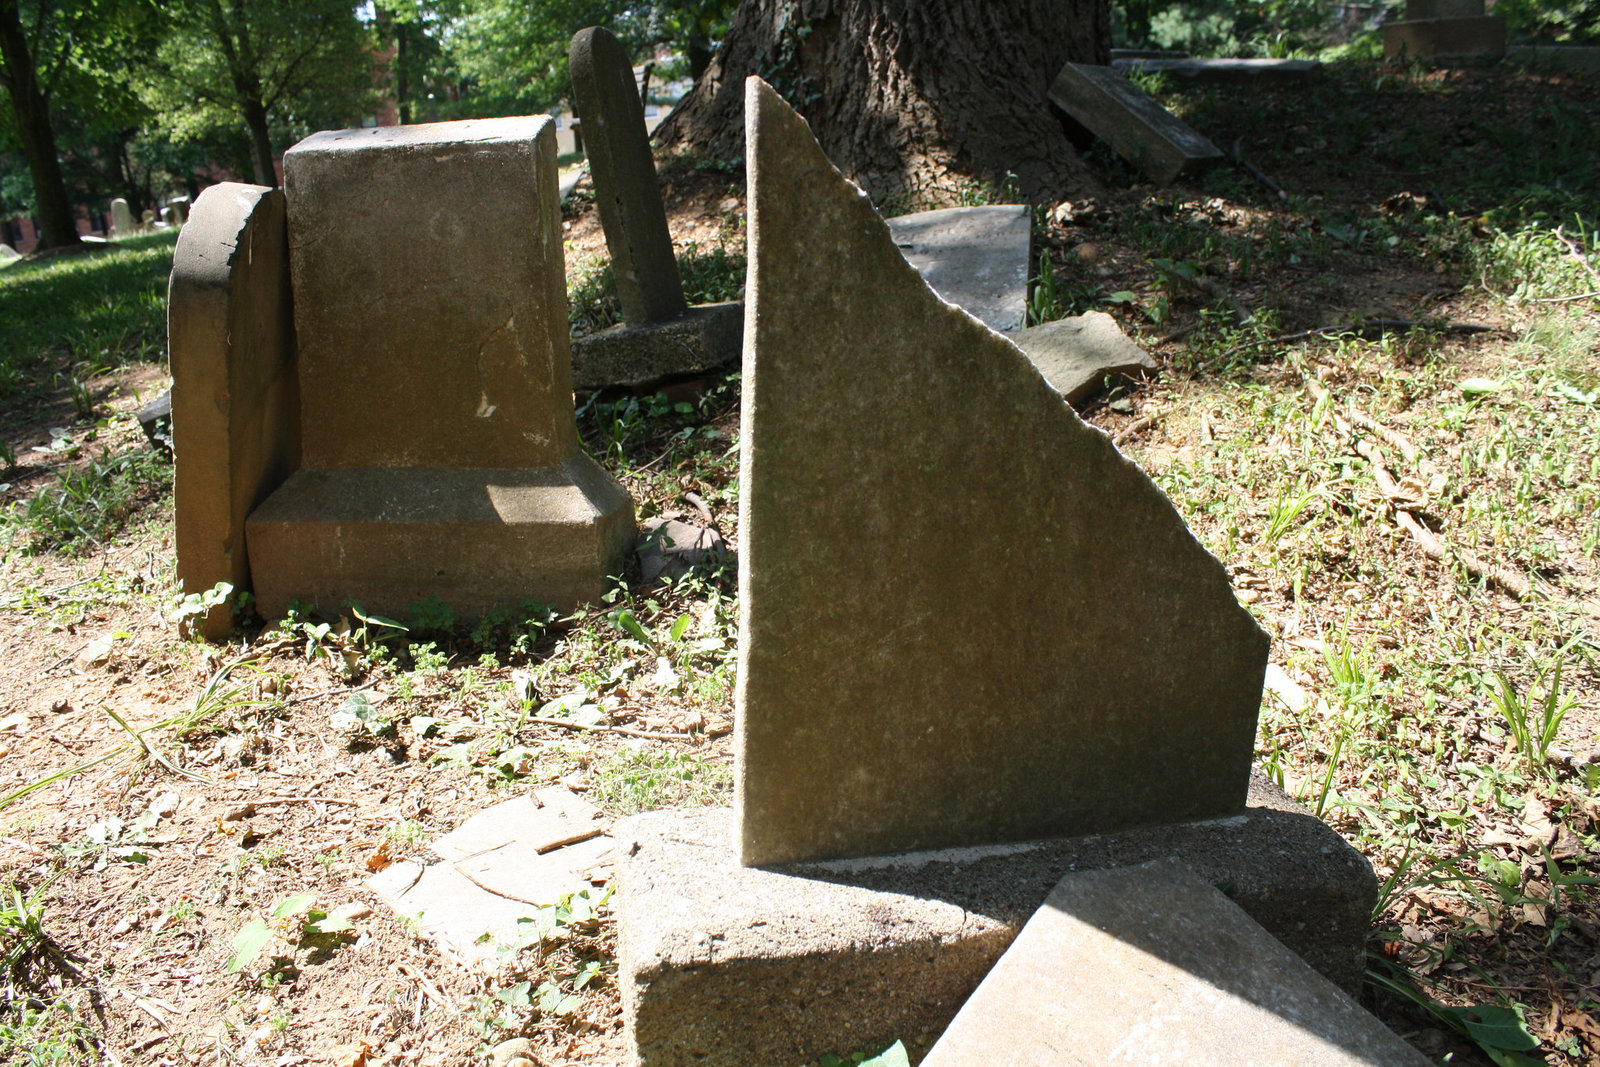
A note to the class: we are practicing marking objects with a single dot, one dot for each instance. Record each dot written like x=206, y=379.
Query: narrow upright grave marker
x=1136, y=127
x=235, y=394
x=661, y=334
x=441, y=454
x=121, y=218
x=971, y=636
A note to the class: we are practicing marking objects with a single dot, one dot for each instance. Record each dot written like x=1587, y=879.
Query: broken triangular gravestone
x=1136, y=127
x=965, y=617
x=966, y=620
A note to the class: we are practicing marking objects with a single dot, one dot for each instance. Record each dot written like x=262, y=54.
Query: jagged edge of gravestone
x=1194, y=755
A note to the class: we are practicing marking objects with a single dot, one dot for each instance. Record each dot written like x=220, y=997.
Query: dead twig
x=1397, y=497
x=1133, y=429
x=1367, y=329
x=1564, y=299
x=307, y=800
x=1431, y=546
x=329, y=693
x=1261, y=179
x=625, y=731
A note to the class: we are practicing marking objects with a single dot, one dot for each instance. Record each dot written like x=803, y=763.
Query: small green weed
x=644, y=779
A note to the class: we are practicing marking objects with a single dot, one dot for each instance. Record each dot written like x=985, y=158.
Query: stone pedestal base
x=475, y=538
x=722, y=964
x=703, y=337
x=1468, y=35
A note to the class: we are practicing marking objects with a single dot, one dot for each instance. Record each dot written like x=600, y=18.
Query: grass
x=97, y=310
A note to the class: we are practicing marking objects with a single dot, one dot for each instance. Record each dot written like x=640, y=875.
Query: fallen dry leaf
x=354, y=1055
x=379, y=858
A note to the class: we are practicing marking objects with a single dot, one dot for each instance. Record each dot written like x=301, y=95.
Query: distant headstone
x=1445, y=38
x=627, y=195
x=235, y=396
x=7, y=253
x=977, y=258
x=441, y=457
x=661, y=336
x=121, y=218
x=147, y=219
x=179, y=206
x=1150, y=964
x=1111, y=641
x=1077, y=354
x=1136, y=127
x=1226, y=71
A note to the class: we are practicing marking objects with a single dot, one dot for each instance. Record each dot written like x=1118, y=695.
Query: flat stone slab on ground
x=1575, y=58
x=667, y=547
x=1152, y=965
x=498, y=867
x=910, y=480
x=1227, y=71
x=724, y=964
x=1077, y=354
x=976, y=258
x=1136, y=127
x=702, y=338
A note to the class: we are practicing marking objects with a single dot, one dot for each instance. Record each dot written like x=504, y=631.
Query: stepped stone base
x=722, y=964
x=1467, y=35
x=475, y=538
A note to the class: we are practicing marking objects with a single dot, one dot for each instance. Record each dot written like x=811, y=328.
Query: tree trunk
x=57, y=227
x=255, y=116
x=910, y=98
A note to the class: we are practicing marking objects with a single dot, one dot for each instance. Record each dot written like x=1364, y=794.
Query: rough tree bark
x=31, y=105
x=908, y=97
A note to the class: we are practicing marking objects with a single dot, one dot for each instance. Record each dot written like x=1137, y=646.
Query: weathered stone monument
x=1439, y=29
x=7, y=253
x=121, y=218
x=979, y=650
x=1137, y=128
x=661, y=335
x=438, y=455
x=179, y=206
x=235, y=394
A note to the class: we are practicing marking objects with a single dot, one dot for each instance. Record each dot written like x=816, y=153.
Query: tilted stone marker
x=440, y=453
x=235, y=394
x=7, y=253
x=1151, y=964
x=1077, y=354
x=1057, y=596
x=661, y=335
x=121, y=218
x=1136, y=127
x=977, y=258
